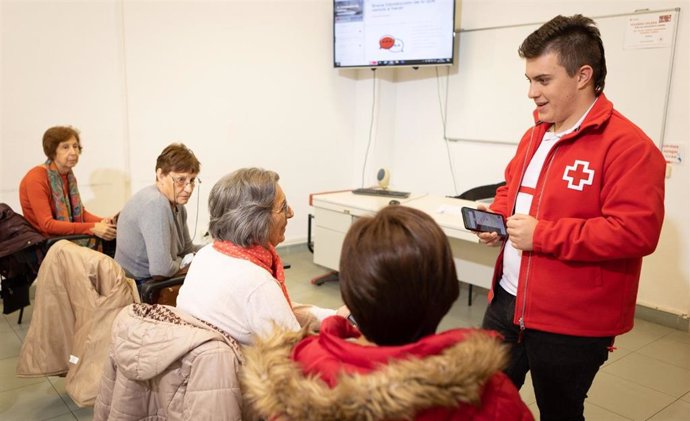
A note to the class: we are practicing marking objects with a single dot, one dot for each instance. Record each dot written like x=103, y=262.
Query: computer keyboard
x=381, y=192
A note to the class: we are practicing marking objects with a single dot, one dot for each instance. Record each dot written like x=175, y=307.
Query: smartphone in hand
x=483, y=221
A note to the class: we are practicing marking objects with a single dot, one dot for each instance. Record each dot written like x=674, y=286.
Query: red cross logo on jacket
x=578, y=175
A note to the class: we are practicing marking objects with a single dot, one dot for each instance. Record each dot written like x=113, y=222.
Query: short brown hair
x=179, y=158
x=397, y=275
x=56, y=135
x=576, y=40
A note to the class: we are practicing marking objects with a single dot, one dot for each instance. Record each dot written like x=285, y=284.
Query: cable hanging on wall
x=371, y=123
x=443, y=107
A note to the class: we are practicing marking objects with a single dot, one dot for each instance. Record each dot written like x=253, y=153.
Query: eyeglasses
x=182, y=181
x=284, y=209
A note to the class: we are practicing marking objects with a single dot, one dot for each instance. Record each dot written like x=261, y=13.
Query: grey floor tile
x=677, y=411
x=327, y=296
x=527, y=391
x=21, y=330
x=663, y=377
x=616, y=355
x=13, y=318
x=643, y=333
x=463, y=315
x=10, y=381
x=597, y=413
x=534, y=409
x=33, y=402
x=84, y=414
x=668, y=350
x=4, y=326
x=678, y=336
x=10, y=345
x=686, y=397
x=626, y=398
x=59, y=386
x=65, y=417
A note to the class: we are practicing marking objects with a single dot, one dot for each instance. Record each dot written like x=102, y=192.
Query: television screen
x=373, y=33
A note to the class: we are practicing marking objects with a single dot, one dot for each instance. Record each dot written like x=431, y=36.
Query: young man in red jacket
x=584, y=202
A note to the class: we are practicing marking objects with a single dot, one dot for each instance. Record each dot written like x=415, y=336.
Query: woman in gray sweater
x=152, y=232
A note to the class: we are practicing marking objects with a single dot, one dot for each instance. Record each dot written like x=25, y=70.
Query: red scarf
x=261, y=256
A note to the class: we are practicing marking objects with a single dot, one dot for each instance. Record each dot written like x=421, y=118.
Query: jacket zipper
x=521, y=319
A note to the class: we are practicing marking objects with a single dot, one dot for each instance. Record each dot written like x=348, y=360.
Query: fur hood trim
x=276, y=385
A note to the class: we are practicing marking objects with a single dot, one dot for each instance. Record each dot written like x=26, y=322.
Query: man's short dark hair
x=397, y=275
x=576, y=40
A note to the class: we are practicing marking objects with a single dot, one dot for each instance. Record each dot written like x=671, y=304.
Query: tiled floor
x=647, y=378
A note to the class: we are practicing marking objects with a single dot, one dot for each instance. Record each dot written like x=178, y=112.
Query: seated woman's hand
x=104, y=230
x=343, y=311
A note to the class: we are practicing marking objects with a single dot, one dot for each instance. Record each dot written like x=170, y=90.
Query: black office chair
x=479, y=193
x=152, y=289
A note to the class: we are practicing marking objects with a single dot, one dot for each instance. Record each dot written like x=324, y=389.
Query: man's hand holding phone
x=491, y=239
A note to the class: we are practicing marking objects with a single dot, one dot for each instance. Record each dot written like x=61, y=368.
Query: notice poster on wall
x=654, y=30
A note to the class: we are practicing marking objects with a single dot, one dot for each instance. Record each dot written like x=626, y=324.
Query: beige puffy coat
x=167, y=365
x=79, y=292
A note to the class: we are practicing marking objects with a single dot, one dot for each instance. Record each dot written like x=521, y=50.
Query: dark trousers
x=562, y=366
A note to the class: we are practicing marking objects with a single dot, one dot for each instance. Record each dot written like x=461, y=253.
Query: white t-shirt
x=235, y=295
x=511, y=255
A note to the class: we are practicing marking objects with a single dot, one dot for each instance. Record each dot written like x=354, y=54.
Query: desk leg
x=320, y=280
x=469, y=295
x=310, y=243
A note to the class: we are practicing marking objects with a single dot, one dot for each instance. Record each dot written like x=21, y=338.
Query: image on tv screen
x=372, y=33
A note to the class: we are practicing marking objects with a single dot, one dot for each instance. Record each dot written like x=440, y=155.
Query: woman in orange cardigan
x=49, y=195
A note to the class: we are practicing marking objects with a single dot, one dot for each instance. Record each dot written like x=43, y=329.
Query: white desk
x=335, y=212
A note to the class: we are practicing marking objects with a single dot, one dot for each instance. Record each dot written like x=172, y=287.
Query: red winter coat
x=453, y=375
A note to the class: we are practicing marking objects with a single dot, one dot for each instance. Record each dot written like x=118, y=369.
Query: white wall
x=419, y=160
x=251, y=83
x=61, y=64
x=242, y=83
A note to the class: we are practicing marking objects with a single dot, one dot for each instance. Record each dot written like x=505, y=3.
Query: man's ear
x=159, y=174
x=584, y=76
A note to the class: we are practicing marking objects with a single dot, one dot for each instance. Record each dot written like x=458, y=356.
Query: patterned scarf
x=65, y=210
x=266, y=258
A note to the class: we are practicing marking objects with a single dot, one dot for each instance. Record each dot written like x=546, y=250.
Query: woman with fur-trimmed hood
x=398, y=278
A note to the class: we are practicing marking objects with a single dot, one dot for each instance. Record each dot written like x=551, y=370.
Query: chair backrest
x=161, y=291
x=481, y=192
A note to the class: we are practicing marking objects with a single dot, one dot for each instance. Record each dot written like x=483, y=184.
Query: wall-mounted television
x=375, y=33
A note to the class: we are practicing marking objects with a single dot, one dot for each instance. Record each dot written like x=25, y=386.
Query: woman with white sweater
x=237, y=282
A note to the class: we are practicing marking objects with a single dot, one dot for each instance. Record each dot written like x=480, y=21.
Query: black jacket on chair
x=21, y=253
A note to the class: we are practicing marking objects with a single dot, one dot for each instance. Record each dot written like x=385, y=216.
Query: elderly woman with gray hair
x=237, y=283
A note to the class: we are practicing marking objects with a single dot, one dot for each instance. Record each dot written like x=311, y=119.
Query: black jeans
x=562, y=366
